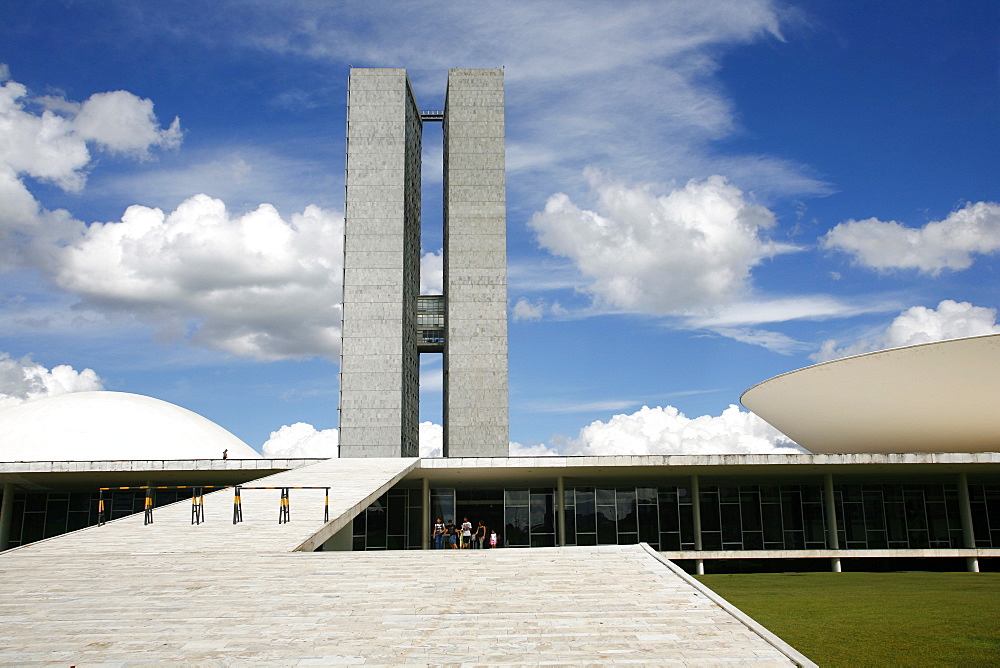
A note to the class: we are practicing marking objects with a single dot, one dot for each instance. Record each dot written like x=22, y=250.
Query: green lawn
x=875, y=619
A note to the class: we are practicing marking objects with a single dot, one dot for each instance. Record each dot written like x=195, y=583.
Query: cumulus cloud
x=659, y=253
x=666, y=431
x=253, y=285
x=120, y=122
x=432, y=273
x=431, y=439
x=526, y=310
x=515, y=449
x=39, y=143
x=951, y=243
x=919, y=324
x=25, y=380
x=301, y=440
x=649, y=431
x=49, y=139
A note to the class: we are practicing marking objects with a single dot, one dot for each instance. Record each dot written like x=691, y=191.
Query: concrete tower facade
x=475, y=266
x=379, y=362
x=386, y=323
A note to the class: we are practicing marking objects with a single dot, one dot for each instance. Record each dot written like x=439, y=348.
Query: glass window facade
x=393, y=522
x=38, y=515
x=985, y=503
x=870, y=516
x=430, y=323
x=899, y=516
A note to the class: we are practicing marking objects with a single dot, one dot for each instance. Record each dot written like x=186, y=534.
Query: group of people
x=464, y=537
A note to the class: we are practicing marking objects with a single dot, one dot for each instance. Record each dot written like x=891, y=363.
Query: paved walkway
x=216, y=594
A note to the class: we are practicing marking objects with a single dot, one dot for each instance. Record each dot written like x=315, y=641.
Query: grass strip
x=875, y=619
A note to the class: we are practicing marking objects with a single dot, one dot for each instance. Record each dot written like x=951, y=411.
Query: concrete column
x=696, y=500
x=425, y=514
x=561, y=512
x=968, y=533
x=6, y=514
x=832, y=539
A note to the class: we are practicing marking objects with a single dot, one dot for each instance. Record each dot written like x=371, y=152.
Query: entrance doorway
x=481, y=505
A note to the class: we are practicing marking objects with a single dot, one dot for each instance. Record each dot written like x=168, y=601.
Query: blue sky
x=701, y=195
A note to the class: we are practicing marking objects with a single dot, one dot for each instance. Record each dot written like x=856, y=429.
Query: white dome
x=111, y=425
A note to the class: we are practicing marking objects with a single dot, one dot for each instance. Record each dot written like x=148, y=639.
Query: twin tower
x=387, y=322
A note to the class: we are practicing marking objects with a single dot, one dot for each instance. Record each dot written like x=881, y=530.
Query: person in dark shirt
x=480, y=536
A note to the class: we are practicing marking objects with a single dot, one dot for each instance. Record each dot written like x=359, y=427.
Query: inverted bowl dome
x=934, y=397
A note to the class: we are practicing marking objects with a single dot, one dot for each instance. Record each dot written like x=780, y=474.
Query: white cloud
x=515, y=449
x=732, y=320
x=237, y=173
x=572, y=71
x=41, y=145
x=525, y=310
x=756, y=312
x=301, y=440
x=773, y=341
x=943, y=244
x=432, y=273
x=47, y=139
x=919, y=324
x=649, y=431
x=431, y=439
x=120, y=122
x=431, y=373
x=25, y=380
x=729, y=320
x=667, y=431
x=548, y=274
x=584, y=406
x=253, y=285
x=693, y=247
x=29, y=235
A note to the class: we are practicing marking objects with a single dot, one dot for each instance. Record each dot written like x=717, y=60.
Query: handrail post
x=148, y=517
x=237, y=506
x=198, y=505
x=283, y=513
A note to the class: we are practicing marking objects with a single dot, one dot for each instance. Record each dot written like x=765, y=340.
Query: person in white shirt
x=466, y=533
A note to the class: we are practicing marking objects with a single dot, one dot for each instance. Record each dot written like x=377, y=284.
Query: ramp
x=217, y=593
x=354, y=484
